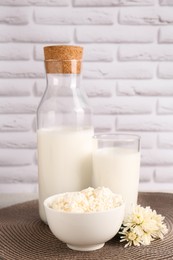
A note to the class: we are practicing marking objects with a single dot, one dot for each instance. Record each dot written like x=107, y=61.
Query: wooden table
x=24, y=236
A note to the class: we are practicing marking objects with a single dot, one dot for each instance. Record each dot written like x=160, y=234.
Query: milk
x=118, y=169
x=64, y=162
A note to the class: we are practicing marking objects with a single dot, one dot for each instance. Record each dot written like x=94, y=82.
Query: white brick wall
x=128, y=76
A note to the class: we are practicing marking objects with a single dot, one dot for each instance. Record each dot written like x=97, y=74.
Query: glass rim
x=119, y=137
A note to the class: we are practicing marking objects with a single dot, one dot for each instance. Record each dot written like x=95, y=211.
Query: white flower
x=142, y=226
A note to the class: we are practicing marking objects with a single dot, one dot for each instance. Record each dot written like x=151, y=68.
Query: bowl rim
x=50, y=199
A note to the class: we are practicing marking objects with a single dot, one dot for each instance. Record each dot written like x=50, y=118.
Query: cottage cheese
x=87, y=200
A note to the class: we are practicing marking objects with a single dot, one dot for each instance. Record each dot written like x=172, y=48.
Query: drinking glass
x=116, y=165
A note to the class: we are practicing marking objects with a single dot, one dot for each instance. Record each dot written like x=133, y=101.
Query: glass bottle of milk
x=64, y=134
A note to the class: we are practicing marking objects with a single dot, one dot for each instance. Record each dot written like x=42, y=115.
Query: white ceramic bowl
x=84, y=231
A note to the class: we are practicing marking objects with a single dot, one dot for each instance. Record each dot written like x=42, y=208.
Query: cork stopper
x=63, y=59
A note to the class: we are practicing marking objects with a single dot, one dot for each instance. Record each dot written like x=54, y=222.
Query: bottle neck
x=62, y=84
x=63, y=75
x=64, y=102
x=70, y=81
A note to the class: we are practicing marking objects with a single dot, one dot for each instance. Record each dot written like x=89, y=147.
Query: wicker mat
x=23, y=236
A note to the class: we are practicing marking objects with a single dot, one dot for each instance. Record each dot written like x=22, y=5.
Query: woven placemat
x=24, y=237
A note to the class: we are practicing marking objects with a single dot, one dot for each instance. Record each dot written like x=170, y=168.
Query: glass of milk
x=116, y=165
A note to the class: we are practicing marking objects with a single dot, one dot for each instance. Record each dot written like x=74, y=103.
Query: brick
x=165, y=141
x=155, y=187
x=36, y=158
x=73, y=17
x=40, y=87
x=105, y=34
x=39, y=52
x=166, y=2
x=15, y=188
x=87, y=3
x=34, y=124
x=17, y=88
x=4, y=36
x=145, y=123
x=13, y=196
x=35, y=34
x=22, y=70
x=147, y=16
x=19, y=174
x=148, y=140
x=146, y=53
x=16, y=157
x=17, y=140
x=165, y=71
x=118, y=106
x=166, y=35
x=13, y=52
x=157, y=158
x=15, y=123
x=99, y=88
x=164, y=175
x=165, y=106
x=18, y=105
x=117, y=71
x=13, y=16
x=97, y=53
x=147, y=88
x=91, y=53
x=34, y=2
x=146, y=174
x=104, y=124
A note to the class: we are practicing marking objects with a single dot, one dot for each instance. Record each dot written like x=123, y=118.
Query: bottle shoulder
x=73, y=102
